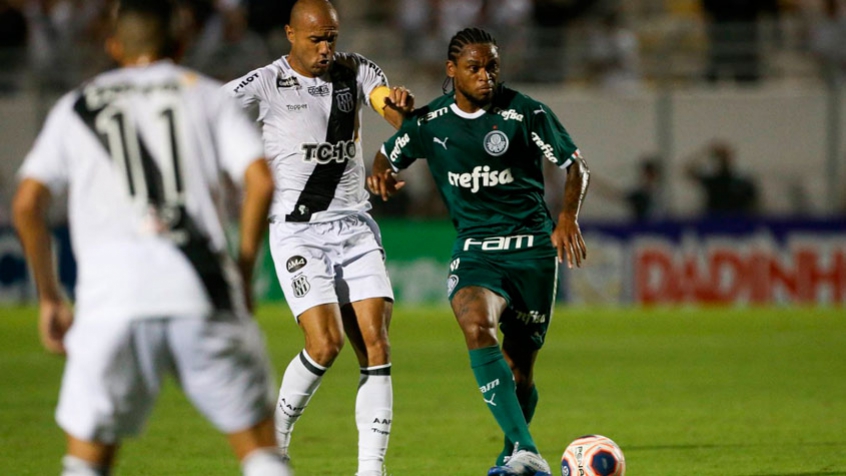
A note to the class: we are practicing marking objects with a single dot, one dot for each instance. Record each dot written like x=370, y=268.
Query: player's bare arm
x=567, y=237
x=258, y=194
x=394, y=104
x=383, y=180
x=29, y=209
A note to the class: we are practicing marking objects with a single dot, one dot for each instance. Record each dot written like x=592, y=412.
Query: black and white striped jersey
x=141, y=151
x=311, y=132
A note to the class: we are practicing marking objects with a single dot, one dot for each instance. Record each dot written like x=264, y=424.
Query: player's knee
x=325, y=350
x=379, y=349
x=522, y=381
x=479, y=335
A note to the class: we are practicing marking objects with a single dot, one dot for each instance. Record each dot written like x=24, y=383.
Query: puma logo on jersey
x=481, y=176
x=442, y=142
x=325, y=152
x=539, y=111
x=547, y=149
x=491, y=401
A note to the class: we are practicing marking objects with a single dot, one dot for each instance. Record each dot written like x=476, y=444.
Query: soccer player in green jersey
x=485, y=145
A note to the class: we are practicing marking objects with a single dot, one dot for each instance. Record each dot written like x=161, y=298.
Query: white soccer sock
x=264, y=462
x=73, y=466
x=301, y=379
x=373, y=413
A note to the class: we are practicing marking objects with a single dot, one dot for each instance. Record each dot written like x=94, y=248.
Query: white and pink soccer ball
x=593, y=455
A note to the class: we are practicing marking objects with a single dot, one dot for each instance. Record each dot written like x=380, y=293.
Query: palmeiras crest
x=496, y=143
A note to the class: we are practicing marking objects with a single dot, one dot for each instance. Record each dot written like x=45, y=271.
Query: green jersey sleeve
x=551, y=138
x=405, y=146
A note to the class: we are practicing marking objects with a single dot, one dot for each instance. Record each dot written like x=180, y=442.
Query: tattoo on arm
x=576, y=186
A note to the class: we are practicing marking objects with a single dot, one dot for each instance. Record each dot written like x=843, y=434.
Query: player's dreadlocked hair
x=467, y=36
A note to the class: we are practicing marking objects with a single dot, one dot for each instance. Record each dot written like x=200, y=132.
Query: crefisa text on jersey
x=509, y=114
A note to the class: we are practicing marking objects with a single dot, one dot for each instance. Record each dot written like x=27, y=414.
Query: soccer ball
x=593, y=455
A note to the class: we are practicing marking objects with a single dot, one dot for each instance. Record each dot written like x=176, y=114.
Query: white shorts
x=114, y=372
x=339, y=261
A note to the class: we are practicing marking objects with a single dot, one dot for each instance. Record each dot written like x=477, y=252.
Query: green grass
x=684, y=392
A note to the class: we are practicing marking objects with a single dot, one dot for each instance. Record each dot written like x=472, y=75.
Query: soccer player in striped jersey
x=141, y=150
x=326, y=248
x=485, y=145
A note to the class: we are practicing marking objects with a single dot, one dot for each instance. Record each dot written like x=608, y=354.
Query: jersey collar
x=468, y=115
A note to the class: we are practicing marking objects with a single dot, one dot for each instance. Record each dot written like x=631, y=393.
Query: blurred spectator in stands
x=733, y=37
x=417, y=22
x=727, y=191
x=58, y=31
x=218, y=42
x=268, y=18
x=13, y=33
x=426, y=25
x=613, y=54
x=547, y=50
x=644, y=199
x=828, y=41
x=265, y=16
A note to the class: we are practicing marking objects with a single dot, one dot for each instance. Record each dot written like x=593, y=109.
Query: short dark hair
x=156, y=18
x=468, y=36
x=161, y=10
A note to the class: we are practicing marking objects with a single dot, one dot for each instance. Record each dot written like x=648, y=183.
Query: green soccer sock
x=528, y=406
x=497, y=385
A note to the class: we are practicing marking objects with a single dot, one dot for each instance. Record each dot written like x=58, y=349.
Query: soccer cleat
x=506, y=453
x=522, y=463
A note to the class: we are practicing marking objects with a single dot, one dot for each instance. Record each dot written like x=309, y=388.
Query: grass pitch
x=724, y=392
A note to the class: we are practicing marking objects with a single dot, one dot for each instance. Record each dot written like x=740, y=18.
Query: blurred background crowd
x=635, y=59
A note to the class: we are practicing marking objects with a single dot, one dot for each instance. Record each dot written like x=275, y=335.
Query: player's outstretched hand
x=567, y=238
x=54, y=321
x=401, y=100
x=384, y=184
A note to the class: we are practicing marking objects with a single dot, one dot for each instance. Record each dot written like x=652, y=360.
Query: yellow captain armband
x=378, y=99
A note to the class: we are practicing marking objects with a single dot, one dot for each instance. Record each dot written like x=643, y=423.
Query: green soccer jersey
x=488, y=166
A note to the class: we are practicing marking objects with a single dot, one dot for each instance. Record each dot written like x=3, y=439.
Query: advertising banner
x=669, y=263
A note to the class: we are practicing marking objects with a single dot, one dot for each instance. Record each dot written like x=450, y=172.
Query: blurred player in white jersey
x=326, y=247
x=141, y=150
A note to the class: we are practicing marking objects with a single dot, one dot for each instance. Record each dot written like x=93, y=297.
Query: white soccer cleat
x=522, y=463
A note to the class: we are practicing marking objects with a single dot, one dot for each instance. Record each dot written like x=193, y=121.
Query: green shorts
x=527, y=281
